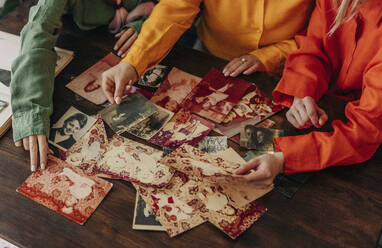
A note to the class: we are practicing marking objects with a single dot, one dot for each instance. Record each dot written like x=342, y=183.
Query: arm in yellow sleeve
x=168, y=21
x=274, y=56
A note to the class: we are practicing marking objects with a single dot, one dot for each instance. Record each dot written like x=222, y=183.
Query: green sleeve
x=33, y=70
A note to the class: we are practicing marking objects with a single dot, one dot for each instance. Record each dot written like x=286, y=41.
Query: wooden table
x=338, y=207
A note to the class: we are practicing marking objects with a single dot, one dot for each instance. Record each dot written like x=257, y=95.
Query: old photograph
x=132, y=110
x=70, y=128
x=258, y=138
x=213, y=144
x=154, y=77
x=174, y=89
x=144, y=218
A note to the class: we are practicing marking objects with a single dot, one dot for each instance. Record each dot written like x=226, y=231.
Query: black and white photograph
x=132, y=110
x=151, y=125
x=70, y=128
x=258, y=138
x=144, y=218
x=213, y=144
x=154, y=77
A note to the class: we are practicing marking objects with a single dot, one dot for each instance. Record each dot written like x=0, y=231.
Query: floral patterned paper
x=66, y=190
x=131, y=161
x=193, y=161
x=176, y=206
x=88, y=150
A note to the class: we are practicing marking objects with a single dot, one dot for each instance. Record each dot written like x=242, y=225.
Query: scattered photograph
x=258, y=138
x=213, y=144
x=215, y=96
x=70, y=128
x=182, y=128
x=154, y=77
x=66, y=190
x=88, y=84
x=255, y=105
x=174, y=89
x=151, y=125
x=132, y=110
x=144, y=218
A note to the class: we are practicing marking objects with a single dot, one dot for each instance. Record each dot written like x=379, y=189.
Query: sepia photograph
x=213, y=144
x=174, y=89
x=154, y=77
x=70, y=128
x=183, y=128
x=88, y=84
x=215, y=96
x=149, y=126
x=258, y=138
x=132, y=110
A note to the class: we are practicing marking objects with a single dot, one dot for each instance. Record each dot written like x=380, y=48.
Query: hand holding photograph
x=66, y=189
x=70, y=128
x=261, y=139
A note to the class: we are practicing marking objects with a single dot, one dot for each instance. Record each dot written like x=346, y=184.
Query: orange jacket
x=348, y=61
x=228, y=29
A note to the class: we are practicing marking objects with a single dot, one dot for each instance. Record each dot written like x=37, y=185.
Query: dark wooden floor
x=338, y=207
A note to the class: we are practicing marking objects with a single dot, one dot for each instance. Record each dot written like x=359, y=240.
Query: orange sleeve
x=168, y=21
x=352, y=142
x=308, y=70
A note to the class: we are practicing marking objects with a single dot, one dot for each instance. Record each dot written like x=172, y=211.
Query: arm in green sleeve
x=136, y=24
x=33, y=70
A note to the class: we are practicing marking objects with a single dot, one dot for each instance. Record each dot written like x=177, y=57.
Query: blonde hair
x=347, y=9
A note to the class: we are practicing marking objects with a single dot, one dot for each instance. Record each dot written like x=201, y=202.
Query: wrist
x=280, y=159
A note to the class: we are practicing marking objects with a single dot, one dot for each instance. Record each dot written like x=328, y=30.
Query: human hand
x=125, y=39
x=261, y=171
x=117, y=81
x=245, y=64
x=36, y=145
x=304, y=112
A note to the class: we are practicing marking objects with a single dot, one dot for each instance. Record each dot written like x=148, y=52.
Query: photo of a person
x=258, y=138
x=70, y=128
x=154, y=77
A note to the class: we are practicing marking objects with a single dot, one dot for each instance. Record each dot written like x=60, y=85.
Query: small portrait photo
x=144, y=218
x=149, y=126
x=70, y=128
x=174, y=89
x=154, y=77
x=213, y=144
x=132, y=110
x=258, y=138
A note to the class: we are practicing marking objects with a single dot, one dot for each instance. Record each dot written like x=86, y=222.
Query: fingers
x=123, y=37
x=292, y=120
x=252, y=69
x=118, y=35
x=127, y=44
x=43, y=148
x=311, y=110
x=252, y=164
x=120, y=90
x=243, y=67
x=26, y=143
x=33, y=150
x=232, y=66
x=323, y=116
x=18, y=143
x=108, y=87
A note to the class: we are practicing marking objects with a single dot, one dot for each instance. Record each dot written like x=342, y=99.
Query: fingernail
x=42, y=166
x=115, y=48
x=33, y=168
x=224, y=71
x=231, y=74
x=124, y=55
x=226, y=74
x=117, y=99
x=119, y=53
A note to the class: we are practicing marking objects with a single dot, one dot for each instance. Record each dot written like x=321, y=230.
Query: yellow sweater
x=227, y=28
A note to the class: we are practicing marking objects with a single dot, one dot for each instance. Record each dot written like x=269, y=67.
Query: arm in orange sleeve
x=274, y=56
x=352, y=142
x=168, y=21
x=308, y=70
